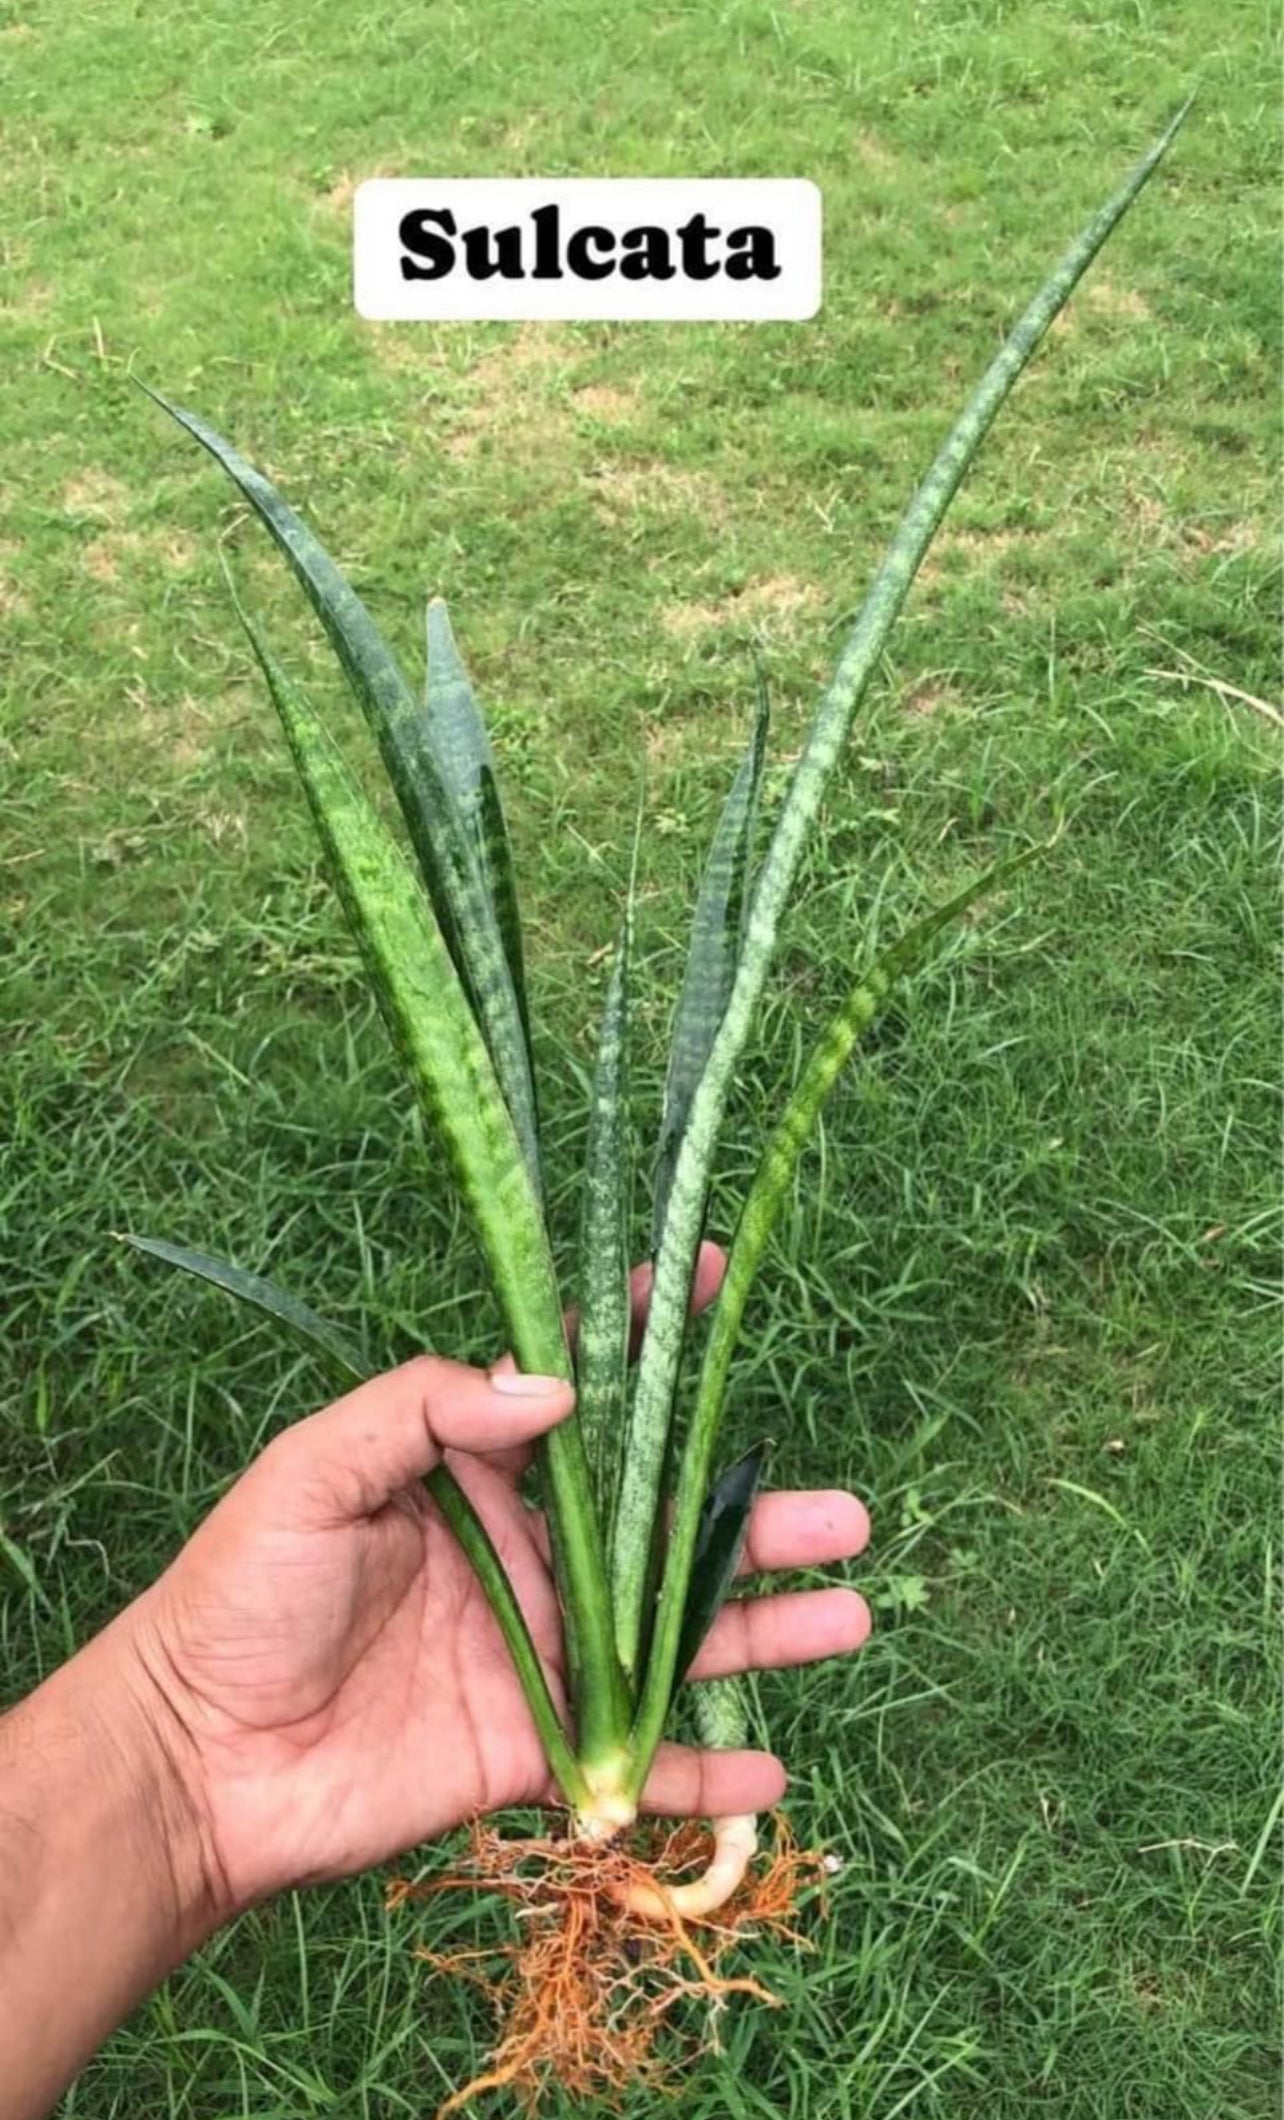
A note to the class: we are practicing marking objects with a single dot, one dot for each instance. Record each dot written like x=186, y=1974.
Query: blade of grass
x=662, y=1345
x=444, y=847
x=432, y=1025
x=758, y=1218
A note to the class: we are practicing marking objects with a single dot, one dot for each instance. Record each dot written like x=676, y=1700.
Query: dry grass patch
x=12, y=601
x=1160, y=528
x=626, y=489
x=957, y=553
x=1110, y=300
x=774, y=604
x=1101, y=297
x=175, y=733
x=337, y=197
x=603, y=402
x=931, y=696
x=671, y=744
x=873, y=154
x=513, y=394
x=96, y=497
x=30, y=302
x=116, y=552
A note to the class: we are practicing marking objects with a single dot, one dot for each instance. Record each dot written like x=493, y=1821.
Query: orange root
x=591, y=1984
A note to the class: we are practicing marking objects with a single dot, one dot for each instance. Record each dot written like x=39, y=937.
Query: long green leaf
x=432, y=1024
x=640, y=1497
x=445, y=848
x=719, y=1546
x=602, y=1342
x=717, y=927
x=346, y=1360
x=717, y=934
x=489, y=1570
x=758, y=1217
x=462, y=749
x=341, y=1356
x=721, y=1714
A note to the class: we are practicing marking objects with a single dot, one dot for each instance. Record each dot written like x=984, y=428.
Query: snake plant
x=645, y=1535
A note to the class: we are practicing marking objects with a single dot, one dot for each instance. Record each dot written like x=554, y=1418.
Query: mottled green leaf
x=717, y=928
x=602, y=1341
x=661, y=1352
x=721, y=1711
x=462, y=748
x=428, y=1015
x=758, y=1216
x=446, y=849
x=450, y=1069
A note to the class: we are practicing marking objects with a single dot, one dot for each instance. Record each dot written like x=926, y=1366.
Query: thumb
x=390, y=1432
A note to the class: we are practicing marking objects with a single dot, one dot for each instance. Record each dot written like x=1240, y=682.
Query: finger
x=804, y=1530
x=711, y=1264
x=766, y=1633
x=688, y=1784
x=387, y=1433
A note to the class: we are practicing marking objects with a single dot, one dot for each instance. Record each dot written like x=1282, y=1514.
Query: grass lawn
x=1023, y=1301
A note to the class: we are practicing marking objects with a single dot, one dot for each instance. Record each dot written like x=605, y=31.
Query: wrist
x=119, y=1747
x=105, y=1883
x=163, y=1760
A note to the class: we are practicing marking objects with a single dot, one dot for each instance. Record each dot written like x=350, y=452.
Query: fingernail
x=513, y=1383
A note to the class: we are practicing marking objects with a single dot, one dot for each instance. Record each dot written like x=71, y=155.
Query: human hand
x=325, y=1671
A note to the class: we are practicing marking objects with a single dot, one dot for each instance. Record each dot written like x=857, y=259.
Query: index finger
x=711, y=1264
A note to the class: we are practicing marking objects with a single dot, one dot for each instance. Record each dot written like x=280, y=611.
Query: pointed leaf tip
x=340, y=1354
x=720, y=1543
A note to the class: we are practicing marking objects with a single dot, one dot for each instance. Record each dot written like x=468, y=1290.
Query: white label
x=612, y=248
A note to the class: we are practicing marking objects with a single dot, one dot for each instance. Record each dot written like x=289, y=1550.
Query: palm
x=326, y=1682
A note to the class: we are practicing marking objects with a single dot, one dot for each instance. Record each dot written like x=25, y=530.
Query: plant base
x=591, y=1994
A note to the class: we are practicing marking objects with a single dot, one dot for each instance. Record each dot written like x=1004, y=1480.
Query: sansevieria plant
x=645, y=1532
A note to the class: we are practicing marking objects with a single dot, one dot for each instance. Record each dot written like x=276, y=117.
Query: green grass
x=1023, y=1300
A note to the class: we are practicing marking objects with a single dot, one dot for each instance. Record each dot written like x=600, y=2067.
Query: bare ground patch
x=114, y=552
x=776, y=603
x=96, y=497
x=601, y=401
x=12, y=601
